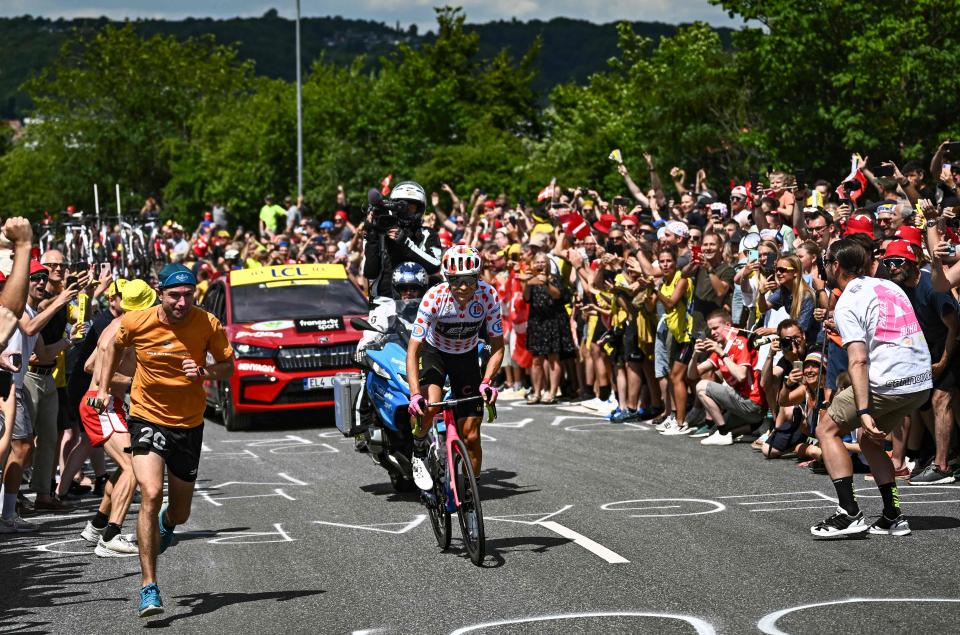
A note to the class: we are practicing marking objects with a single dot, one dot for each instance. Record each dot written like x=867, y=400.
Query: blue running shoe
x=613, y=414
x=166, y=535
x=622, y=415
x=150, y=602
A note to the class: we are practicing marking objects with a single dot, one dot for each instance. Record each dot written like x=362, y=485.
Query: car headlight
x=249, y=351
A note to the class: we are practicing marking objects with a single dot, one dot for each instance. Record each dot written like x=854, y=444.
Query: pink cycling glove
x=488, y=391
x=417, y=405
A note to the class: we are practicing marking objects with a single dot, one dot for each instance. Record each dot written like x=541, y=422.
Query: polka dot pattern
x=455, y=328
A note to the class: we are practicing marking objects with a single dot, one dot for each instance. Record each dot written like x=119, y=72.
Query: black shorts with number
x=179, y=447
x=463, y=370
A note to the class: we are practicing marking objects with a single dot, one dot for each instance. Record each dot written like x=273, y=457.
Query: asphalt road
x=591, y=527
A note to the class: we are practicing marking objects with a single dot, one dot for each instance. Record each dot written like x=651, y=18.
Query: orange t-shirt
x=161, y=392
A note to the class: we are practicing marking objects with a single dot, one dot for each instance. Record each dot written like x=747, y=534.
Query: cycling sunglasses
x=895, y=261
x=784, y=270
x=39, y=277
x=462, y=281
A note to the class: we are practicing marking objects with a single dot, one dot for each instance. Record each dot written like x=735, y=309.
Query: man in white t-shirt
x=890, y=371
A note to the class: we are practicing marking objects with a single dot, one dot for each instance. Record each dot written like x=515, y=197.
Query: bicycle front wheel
x=439, y=516
x=469, y=512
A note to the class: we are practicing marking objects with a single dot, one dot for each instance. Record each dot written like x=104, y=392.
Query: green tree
x=826, y=78
x=114, y=108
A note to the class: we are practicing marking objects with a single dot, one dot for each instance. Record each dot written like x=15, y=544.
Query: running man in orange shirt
x=167, y=404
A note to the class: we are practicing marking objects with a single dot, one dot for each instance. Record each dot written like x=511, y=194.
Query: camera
x=387, y=213
x=788, y=342
x=621, y=201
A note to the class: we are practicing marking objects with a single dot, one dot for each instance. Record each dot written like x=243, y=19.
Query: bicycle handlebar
x=450, y=403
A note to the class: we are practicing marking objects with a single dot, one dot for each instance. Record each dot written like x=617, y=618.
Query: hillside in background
x=571, y=49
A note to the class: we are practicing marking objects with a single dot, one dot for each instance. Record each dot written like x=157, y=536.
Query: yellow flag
x=615, y=156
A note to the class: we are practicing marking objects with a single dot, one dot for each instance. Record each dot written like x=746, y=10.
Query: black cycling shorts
x=463, y=370
x=179, y=447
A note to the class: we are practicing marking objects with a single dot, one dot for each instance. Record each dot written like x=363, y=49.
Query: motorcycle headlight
x=379, y=370
x=249, y=351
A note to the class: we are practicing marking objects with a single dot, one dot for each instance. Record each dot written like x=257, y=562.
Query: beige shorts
x=887, y=410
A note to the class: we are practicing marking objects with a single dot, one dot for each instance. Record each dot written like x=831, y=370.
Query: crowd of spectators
x=700, y=309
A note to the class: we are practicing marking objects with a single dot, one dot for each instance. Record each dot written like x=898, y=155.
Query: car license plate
x=314, y=383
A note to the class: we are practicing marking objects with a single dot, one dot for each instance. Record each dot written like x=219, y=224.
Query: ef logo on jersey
x=475, y=310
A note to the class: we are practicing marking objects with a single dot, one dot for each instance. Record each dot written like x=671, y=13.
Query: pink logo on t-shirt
x=897, y=319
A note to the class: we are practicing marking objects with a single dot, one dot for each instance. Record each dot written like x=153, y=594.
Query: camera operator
x=780, y=379
x=394, y=234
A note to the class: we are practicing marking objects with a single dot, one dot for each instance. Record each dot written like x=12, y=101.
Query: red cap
x=340, y=214
x=446, y=238
x=901, y=249
x=36, y=267
x=489, y=203
x=208, y=216
x=859, y=224
x=630, y=219
x=911, y=234
x=603, y=225
x=574, y=225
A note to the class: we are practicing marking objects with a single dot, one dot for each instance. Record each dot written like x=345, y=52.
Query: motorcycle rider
x=408, y=241
x=410, y=281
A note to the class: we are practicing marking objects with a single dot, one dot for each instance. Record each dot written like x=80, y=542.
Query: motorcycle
x=380, y=406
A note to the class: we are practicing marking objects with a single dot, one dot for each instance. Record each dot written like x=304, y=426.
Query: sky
x=407, y=12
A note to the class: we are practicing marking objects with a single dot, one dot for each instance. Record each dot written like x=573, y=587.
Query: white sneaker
x=677, y=430
x=421, y=476
x=607, y=407
x=593, y=404
x=117, y=547
x=666, y=423
x=16, y=525
x=91, y=533
x=717, y=438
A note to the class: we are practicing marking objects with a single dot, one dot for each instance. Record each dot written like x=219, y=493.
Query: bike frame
x=451, y=436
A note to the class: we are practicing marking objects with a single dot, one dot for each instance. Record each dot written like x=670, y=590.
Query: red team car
x=290, y=329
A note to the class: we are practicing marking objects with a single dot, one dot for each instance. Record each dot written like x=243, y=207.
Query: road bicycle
x=454, y=483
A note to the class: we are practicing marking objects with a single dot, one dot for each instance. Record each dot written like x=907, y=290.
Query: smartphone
x=6, y=381
x=754, y=178
x=768, y=264
x=695, y=250
x=753, y=255
x=17, y=359
x=71, y=280
x=104, y=268
x=952, y=149
x=619, y=200
x=884, y=171
x=800, y=176
x=797, y=365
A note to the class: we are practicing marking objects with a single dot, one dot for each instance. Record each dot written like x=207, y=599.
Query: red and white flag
x=855, y=175
x=385, y=184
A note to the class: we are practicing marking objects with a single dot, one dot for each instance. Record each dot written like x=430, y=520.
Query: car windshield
x=301, y=300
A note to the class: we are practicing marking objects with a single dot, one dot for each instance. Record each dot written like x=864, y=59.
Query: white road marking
x=218, y=501
x=541, y=520
x=50, y=548
x=702, y=627
x=245, y=454
x=404, y=527
x=233, y=537
x=557, y=420
x=768, y=623
x=295, y=481
x=716, y=507
x=593, y=547
x=509, y=424
x=484, y=435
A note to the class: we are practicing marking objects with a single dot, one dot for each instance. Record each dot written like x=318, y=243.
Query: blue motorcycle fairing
x=387, y=395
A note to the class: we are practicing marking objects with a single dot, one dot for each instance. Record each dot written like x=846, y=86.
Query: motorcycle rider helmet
x=461, y=260
x=410, y=275
x=411, y=192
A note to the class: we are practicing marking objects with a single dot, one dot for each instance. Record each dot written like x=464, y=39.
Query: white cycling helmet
x=461, y=260
x=411, y=191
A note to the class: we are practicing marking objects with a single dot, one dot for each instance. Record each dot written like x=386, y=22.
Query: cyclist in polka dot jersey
x=443, y=343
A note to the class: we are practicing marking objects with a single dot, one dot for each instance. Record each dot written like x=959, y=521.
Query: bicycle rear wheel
x=469, y=513
x=439, y=516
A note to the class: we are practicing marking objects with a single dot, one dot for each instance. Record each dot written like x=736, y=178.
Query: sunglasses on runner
x=784, y=269
x=462, y=281
x=895, y=261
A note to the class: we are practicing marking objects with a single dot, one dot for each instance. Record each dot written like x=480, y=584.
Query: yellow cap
x=116, y=287
x=137, y=295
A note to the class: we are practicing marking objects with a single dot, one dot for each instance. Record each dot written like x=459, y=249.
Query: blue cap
x=326, y=224
x=175, y=275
